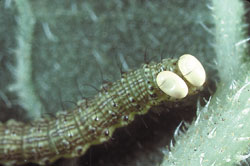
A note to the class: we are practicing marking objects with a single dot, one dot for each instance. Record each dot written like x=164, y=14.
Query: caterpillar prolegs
x=93, y=121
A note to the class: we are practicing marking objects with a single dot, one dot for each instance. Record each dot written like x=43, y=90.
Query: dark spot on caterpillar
x=125, y=118
x=113, y=114
x=106, y=132
x=92, y=129
x=79, y=150
x=71, y=133
x=66, y=144
x=153, y=95
x=138, y=106
x=106, y=86
x=114, y=104
x=131, y=99
x=151, y=88
x=40, y=146
x=146, y=66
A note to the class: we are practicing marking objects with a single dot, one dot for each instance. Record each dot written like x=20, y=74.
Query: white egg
x=192, y=70
x=171, y=84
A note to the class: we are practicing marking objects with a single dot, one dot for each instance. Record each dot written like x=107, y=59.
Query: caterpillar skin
x=69, y=134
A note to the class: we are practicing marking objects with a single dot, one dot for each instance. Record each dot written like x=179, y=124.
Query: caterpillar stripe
x=69, y=134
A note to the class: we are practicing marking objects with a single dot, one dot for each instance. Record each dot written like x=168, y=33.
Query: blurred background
x=74, y=43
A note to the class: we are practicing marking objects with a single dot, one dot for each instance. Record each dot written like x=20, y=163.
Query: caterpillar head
x=189, y=78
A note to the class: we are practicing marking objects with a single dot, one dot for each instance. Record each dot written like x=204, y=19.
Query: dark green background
x=83, y=30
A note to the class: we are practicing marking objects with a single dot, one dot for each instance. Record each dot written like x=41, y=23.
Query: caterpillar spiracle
x=69, y=134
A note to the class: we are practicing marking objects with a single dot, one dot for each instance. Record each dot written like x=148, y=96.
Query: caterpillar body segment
x=69, y=134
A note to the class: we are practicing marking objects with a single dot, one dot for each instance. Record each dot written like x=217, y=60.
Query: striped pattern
x=71, y=133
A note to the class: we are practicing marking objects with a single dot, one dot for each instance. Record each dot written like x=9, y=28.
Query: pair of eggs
x=192, y=71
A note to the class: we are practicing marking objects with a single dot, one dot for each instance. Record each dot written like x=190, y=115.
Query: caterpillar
x=69, y=134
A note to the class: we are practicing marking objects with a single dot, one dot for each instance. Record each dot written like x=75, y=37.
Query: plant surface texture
x=55, y=53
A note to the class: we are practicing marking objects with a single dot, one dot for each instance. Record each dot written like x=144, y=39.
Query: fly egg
x=192, y=70
x=171, y=84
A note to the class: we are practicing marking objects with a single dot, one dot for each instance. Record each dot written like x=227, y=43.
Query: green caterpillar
x=93, y=121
